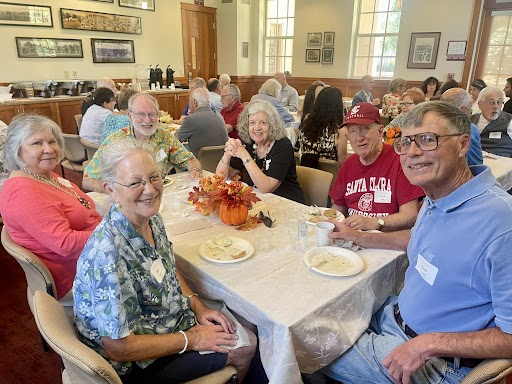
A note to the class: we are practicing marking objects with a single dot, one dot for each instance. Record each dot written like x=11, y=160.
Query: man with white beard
x=495, y=126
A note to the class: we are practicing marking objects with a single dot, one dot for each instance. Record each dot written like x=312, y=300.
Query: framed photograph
x=312, y=55
x=315, y=38
x=329, y=39
x=103, y=22
x=30, y=47
x=327, y=55
x=456, y=50
x=148, y=5
x=112, y=51
x=25, y=15
x=103, y=1
x=423, y=50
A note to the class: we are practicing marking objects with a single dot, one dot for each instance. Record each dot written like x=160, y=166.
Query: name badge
x=267, y=164
x=495, y=135
x=426, y=270
x=382, y=197
x=158, y=270
x=64, y=182
x=160, y=155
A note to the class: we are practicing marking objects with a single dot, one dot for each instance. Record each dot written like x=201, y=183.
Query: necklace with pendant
x=266, y=163
x=55, y=183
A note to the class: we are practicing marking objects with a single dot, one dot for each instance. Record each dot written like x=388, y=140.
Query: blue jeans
x=362, y=363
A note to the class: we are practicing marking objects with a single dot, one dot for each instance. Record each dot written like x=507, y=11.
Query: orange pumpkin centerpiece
x=232, y=199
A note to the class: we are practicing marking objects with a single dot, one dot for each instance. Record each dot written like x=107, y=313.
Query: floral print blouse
x=391, y=105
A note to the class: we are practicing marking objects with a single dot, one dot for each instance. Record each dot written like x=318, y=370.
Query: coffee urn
x=151, y=77
x=169, y=76
x=158, y=77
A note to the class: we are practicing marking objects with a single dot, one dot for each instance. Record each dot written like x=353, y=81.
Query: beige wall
x=161, y=41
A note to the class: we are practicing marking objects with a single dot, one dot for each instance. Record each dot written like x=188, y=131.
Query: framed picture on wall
x=148, y=5
x=329, y=39
x=423, y=50
x=104, y=1
x=315, y=38
x=26, y=15
x=112, y=51
x=103, y=22
x=327, y=55
x=34, y=47
x=312, y=55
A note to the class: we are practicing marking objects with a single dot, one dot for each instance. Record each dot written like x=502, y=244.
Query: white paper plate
x=168, y=181
x=217, y=255
x=308, y=216
x=345, y=262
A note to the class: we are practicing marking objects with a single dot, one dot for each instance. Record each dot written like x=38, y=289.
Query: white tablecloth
x=305, y=320
x=501, y=168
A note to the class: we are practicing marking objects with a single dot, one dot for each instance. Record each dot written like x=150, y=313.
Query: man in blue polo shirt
x=455, y=308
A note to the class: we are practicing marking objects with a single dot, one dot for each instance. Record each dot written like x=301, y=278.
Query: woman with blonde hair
x=270, y=91
x=391, y=101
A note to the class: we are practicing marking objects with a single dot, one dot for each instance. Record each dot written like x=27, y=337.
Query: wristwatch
x=380, y=222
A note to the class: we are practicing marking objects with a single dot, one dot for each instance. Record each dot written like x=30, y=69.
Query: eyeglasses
x=492, y=103
x=267, y=220
x=142, y=115
x=226, y=95
x=360, y=130
x=406, y=104
x=156, y=179
x=427, y=141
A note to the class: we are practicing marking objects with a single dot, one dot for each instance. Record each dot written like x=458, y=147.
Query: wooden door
x=67, y=112
x=7, y=113
x=199, y=41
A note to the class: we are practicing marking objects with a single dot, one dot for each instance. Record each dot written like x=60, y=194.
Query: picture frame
x=40, y=47
x=423, y=50
x=329, y=39
x=314, y=38
x=456, y=50
x=103, y=1
x=327, y=55
x=112, y=51
x=97, y=21
x=312, y=55
x=27, y=15
x=147, y=5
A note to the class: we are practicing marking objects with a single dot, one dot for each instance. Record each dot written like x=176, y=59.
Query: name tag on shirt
x=495, y=135
x=158, y=270
x=426, y=270
x=160, y=155
x=64, y=182
x=382, y=197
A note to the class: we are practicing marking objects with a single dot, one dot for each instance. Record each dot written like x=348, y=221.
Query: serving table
x=305, y=320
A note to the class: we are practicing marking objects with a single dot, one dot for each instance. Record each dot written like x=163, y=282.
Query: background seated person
x=46, y=214
x=454, y=309
x=391, y=100
x=143, y=115
x=410, y=99
x=310, y=97
x=270, y=91
x=150, y=326
x=263, y=154
x=104, y=82
x=365, y=94
x=371, y=189
x=118, y=119
x=230, y=97
x=203, y=127
x=224, y=79
x=214, y=88
x=495, y=126
x=196, y=82
x=430, y=87
x=474, y=89
x=93, y=121
x=320, y=136
x=289, y=95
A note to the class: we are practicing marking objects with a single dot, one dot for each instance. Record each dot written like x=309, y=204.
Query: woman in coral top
x=46, y=214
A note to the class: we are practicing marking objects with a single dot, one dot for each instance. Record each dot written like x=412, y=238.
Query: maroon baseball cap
x=362, y=114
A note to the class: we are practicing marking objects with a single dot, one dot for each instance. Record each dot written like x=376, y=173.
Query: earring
x=118, y=205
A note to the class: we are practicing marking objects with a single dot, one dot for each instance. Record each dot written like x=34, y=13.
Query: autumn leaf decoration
x=214, y=190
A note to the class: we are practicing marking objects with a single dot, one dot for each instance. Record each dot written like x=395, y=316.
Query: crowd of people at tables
x=380, y=187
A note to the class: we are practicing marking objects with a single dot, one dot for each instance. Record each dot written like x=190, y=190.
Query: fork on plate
x=323, y=260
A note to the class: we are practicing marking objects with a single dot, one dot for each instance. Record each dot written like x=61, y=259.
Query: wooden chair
x=209, y=157
x=90, y=148
x=489, y=371
x=330, y=166
x=78, y=119
x=74, y=152
x=315, y=184
x=81, y=363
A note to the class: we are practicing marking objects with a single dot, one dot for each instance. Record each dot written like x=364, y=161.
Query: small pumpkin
x=233, y=215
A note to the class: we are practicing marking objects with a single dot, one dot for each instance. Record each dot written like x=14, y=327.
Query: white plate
x=168, y=181
x=308, y=216
x=217, y=255
x=345, y=262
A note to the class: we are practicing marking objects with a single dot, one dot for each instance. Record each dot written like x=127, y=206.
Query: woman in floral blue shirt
x=131, y=305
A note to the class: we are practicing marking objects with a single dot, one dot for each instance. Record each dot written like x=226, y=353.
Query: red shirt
x=231, y=117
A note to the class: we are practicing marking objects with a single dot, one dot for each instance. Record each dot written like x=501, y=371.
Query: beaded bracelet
x=186, y=343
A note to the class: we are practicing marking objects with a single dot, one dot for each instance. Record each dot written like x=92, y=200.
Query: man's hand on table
x=361, y=222
x=342, y=231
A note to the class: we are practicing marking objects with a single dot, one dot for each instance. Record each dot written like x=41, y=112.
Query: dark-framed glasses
x=142, y=115
x=404, y=104
x=427, y=141
x=267, y=220
x=136, y=184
